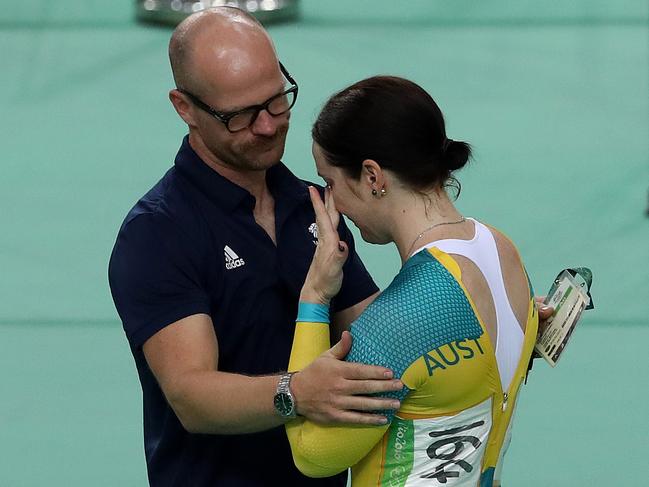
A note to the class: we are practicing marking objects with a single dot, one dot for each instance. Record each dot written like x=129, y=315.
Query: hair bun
x=455, y=154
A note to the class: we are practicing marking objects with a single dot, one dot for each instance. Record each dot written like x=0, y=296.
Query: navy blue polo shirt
x=191, y=245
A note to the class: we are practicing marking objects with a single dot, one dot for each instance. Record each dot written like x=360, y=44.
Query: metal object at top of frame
x=172, y=12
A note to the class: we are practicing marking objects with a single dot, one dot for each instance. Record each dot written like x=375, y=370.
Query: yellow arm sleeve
x=309, y=341
x=324, y=450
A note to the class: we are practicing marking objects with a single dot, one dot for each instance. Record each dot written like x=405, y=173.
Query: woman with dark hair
x=457, y=324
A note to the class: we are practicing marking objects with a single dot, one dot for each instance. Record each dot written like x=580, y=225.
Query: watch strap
x=283, y=388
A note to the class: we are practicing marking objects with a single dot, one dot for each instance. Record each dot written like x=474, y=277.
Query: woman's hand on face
x=325, y=276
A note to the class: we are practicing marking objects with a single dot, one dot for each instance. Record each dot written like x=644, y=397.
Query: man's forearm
x=222, y=403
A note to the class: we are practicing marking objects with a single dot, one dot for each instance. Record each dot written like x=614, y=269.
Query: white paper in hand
x=569, y=296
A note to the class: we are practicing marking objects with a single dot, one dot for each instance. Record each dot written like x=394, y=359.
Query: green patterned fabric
x=422, y=309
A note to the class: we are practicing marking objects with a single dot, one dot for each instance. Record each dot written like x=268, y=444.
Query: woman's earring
x=383, y=192
x=374, y=193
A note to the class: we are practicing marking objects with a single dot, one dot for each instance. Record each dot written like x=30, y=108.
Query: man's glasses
x=244, y=118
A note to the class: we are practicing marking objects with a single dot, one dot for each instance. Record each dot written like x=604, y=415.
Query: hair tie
x=445, y=143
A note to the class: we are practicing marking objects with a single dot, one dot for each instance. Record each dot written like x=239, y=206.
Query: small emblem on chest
x=313, y=230
x=232, y=260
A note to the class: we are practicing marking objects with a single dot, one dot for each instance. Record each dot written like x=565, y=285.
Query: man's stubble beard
x=252, y=156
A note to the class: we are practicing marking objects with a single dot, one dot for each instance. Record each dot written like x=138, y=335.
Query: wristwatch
x=284, y=400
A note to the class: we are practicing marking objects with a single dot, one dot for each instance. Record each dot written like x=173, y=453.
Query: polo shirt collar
x=283, y=184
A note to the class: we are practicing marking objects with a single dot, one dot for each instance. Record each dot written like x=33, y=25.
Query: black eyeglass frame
x=225, y=117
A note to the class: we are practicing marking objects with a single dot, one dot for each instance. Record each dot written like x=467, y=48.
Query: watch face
x=283, y=404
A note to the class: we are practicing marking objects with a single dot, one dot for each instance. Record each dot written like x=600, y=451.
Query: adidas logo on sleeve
x=232, y=260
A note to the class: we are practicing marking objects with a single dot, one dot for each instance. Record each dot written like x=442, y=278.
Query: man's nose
x=265, y=124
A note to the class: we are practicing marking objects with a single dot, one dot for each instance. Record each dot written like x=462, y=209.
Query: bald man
x=206, y=274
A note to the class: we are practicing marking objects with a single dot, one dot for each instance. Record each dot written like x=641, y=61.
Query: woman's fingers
x=326, y=230
x=330, y=206
x=327, y=218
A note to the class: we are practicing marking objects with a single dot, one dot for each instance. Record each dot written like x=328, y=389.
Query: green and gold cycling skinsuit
x=454, y=415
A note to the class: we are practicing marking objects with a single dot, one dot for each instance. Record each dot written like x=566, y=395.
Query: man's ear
x=183, y=106
x=372, y=176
